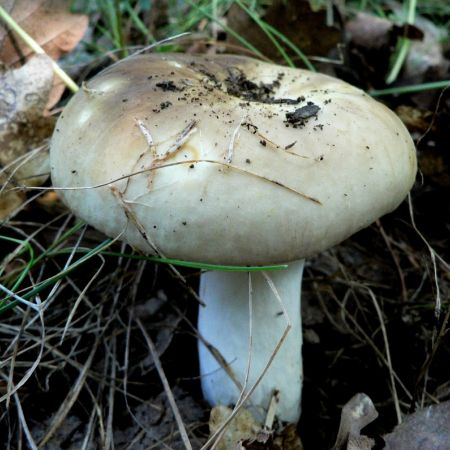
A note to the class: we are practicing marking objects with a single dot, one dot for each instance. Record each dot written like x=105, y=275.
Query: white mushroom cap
x=224, y=175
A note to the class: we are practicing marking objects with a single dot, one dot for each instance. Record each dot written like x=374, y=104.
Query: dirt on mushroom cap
x=181, y=174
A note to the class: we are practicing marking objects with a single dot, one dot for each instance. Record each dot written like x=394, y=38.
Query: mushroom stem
x=224, y=323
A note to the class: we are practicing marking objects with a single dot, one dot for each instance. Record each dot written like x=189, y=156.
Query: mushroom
x=228, y=160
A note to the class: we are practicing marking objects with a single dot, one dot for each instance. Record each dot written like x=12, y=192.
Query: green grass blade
x=292, y=46
x=267, y=32
x=412, y=88
x=229, y=30
x=182, y=263
x=403, y=46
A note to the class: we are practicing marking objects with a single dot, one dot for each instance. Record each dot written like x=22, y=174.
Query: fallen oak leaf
x=24, y=129
x=54, y=30
x=50, y=24
x=7, y=5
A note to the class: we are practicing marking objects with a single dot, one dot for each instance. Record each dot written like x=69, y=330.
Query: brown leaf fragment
x=24, y=130
x=428, y=428
x=51, y=202
x=360, y=443
x=288, y=439
x=243, y=427
x=10, y=200
x=358, y=412
x=7, y=5
x=52, y=26
x=23, y=127
x=414, y=118
x=49, y=23
x=434, y=158
x=244, y=432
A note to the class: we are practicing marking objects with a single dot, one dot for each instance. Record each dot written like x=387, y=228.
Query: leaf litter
x=28, y=89
x=51, y=24
x=24, y=127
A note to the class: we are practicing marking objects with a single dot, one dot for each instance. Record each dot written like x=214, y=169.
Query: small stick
x=388, y=355
x=230, y=152
x=37, y=49
x=164, y=166
x=148, y=137
x=271, y=412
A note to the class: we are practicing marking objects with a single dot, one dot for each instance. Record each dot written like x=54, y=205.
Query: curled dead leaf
x=51, y=24
x=243, y=427
x=9, y=200
x=358, y=412
x=24, y=130
x=287, y=439
x=23, y=127
x=244, y=432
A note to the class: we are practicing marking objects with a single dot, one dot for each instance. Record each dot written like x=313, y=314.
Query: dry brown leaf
x=360, y=443
x=287, y=439
x=358, y=412
x=243, y=427
x=434, y=160
x=244, y=432
x=414, y=118
x=7, y=5
x=24, y=129
x=51, y=25
x=10, y=200
x=51, y=202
